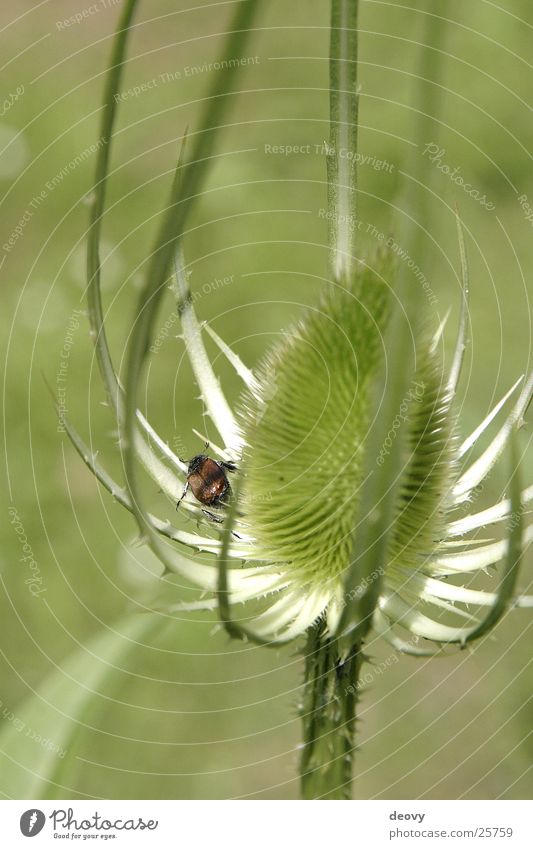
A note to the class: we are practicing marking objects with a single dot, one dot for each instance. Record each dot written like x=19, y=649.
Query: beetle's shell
x=207, y=480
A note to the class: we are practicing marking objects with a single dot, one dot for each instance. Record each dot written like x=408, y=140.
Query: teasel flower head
x=327, y=533
x=300, y=433
x=299, y=436
x=298, y=439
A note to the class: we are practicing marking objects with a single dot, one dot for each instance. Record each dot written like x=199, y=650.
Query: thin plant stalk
x=344, y=110
x=332, y=665
x=379, y=492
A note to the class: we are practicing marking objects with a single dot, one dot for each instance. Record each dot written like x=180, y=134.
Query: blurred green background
x=185, y=713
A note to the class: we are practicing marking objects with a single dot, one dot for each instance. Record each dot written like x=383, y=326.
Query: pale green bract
x=300, y=434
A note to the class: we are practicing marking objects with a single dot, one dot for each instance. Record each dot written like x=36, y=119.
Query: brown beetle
x=208, y=482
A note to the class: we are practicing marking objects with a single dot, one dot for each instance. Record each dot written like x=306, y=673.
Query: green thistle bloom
x=301, y=429
x=295, y=530
x=300, y=433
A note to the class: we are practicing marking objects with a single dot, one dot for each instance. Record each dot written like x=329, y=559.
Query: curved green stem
x=94, y=297
x=185, y=190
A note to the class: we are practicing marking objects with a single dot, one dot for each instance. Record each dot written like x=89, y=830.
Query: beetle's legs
x=212, y=517
x=230, y=467
x=183, y=494
x=219, y=521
